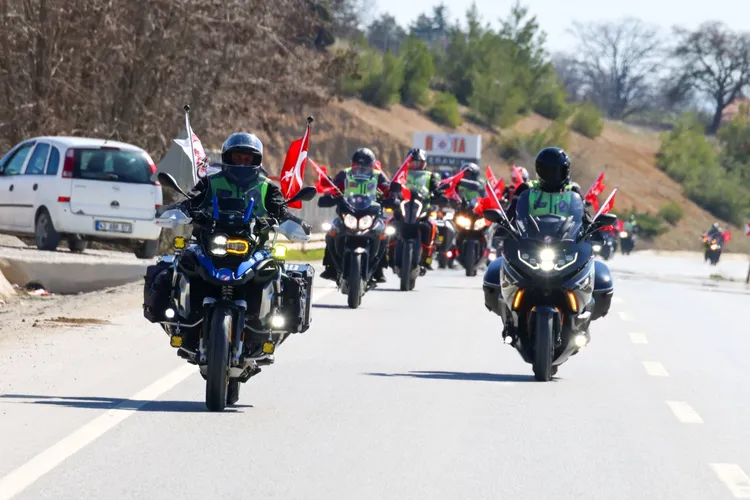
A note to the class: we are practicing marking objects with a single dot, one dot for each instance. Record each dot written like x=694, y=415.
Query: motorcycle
x=713, y=247
x=471, y=240
x=227, y=312
x=407, y=233
x=358, y=228
x=627, y=242
x=546, y=286
x=446, y=244
x=603, y=244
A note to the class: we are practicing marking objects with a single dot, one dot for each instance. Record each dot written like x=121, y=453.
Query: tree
x=418, y=71
x=432, y=28
x=569, y=73
x=617, y=61
x=385, y=34
x=716, y=61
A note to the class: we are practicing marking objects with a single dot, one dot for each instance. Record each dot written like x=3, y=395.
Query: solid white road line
x=684, y=412
x=655, y=369
x=625, y=316
x=24, y=476
x=638, y=338
x=735, y=478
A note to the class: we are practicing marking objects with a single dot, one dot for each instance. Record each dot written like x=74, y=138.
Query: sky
x=555, y=16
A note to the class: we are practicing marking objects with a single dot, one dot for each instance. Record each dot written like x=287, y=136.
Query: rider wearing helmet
x=509, y=191
x=470, y=188
x=362, y=170
x=427, y=183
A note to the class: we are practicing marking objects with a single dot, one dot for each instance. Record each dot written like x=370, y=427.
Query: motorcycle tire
x=217, y=373
x=354, y=297
x=470, y=259
x=543, y=348
x=405, y=273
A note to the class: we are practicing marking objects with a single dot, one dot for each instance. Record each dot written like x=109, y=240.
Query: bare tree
x=716, y=61
x=568, y=71
x=617, y=62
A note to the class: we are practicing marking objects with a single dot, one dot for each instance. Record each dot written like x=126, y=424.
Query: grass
x=305, y=256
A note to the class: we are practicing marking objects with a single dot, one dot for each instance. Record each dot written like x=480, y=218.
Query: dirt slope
x=627, y=154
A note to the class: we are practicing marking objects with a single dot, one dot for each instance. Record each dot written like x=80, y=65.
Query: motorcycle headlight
x=479, y=224
x=596, y=247
x=326, y=226
x=546, y=260
x=217, y=245
x=623, y=234
x=365, y=222
x=350, y=221
x=714, y=247
x=449, y=216
x=463, y=222
x=390, y=231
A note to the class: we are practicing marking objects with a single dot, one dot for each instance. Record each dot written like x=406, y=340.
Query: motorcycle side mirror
x=167, y=180
x=604, y=220
x=305, y=194
x=493, y=215
x=327, y=201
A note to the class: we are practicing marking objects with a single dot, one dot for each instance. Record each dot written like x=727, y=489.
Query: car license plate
x=114, y=227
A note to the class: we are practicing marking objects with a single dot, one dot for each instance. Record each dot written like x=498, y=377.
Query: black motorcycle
x=407, y=253
x=627, y=241
x=546, y=286
x=446, y=233
x=233, y=298
x=470, y=240
x=603, y=244
x=358, y=246
x=713, y=247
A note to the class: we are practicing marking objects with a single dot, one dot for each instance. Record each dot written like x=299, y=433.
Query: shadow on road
x=468, y=376
x=101, y=403
x=380, y=289
x=330, y=306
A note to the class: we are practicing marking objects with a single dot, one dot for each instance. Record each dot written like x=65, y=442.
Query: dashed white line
x=734, y=478
x=625, y=316
x=638, y=338
x=684, y=412
x=655, y=369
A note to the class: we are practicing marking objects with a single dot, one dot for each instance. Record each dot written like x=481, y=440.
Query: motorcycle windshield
x=230, y=210
x=360, y=202
x=564, y=226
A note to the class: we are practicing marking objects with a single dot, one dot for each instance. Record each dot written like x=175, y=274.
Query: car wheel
x=46, y=236
x=147, y=249
x=77, y=245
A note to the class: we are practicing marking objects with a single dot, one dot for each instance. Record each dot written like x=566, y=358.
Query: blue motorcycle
x=234, y=298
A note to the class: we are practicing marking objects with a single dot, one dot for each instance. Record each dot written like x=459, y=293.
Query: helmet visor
x=244, y=158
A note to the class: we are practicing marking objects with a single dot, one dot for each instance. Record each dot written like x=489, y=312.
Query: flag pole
x=194, y=168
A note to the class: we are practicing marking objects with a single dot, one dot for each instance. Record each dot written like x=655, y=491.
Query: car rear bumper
x=85, y=225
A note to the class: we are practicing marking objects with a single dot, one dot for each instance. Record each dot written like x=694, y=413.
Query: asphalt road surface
x=412, y=396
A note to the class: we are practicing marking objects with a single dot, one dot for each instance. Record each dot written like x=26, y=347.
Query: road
x=411, y=396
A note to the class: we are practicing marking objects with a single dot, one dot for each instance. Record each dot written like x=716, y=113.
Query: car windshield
x=111, y=164
x=562, y=222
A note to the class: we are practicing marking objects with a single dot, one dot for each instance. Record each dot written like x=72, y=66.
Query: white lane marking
x=625, y=316
x=638, y=338
x=735, y=478
x=25, y=475
x=18, y=480
x=616, y=299
x=655, y=369
x=684, y=412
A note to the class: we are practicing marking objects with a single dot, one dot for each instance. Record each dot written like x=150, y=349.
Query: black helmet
x=471, y=171
x=363, y=160
x=552, y=169
x=419, y=156
x=249, y=144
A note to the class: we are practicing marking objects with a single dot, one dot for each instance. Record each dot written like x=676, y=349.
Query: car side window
x=53, y=162
x=38, y=160
x=14, y=164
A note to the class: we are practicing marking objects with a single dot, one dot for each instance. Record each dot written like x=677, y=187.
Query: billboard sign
x=449, y=149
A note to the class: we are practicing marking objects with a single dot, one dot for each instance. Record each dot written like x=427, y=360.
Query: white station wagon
x=77, y=189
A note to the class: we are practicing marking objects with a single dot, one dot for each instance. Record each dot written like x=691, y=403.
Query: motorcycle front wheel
x=217, y=376
x=406, y=256
x=354, y=298
x=543, y=349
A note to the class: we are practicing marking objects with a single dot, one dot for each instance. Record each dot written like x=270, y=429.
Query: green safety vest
x=543, y=203
x=360, y=184
x=629, y=226
x=417, y=181
x=222, y=187
x=468, y=193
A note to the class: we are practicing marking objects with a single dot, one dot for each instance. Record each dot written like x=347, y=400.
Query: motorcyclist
x=241, y=176
x=427, y=183
x=509, y=191
x=470, y=188
x=550, y=193
x=363, y=166
x=715, y=231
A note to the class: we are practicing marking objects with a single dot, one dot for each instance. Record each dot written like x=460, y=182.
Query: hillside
x=626, y=153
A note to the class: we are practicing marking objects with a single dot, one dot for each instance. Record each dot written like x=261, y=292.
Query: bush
x=671, y=211
x=444, y=110
x=552, y=104
x=524, y=147
x=382, y=85
x=419, y=69
x=650, y=226
x=588, y=121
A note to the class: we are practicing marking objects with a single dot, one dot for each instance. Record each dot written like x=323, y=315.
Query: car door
x=27, y=188
x=10, y=171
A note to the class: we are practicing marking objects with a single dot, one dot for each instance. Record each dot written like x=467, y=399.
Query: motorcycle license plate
x=113, y=227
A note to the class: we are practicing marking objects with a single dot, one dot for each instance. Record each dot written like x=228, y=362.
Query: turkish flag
x=293, y=171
